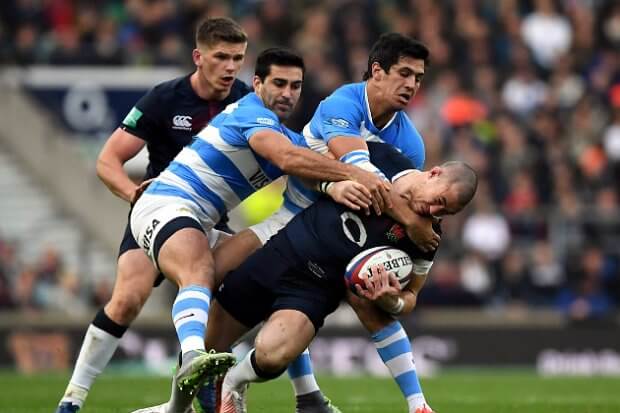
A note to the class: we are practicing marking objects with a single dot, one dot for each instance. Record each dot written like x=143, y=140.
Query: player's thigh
x=231, y=252
x=223, y=329
x=371, y=317
x=285, y=335
x=135, y=273
x=135, y=276
x=186, y=257
x=173, y=233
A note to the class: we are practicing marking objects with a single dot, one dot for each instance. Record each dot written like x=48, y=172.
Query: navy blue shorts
x=270, y=280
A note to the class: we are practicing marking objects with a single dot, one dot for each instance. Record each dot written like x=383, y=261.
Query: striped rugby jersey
x=346, y=113
x=219, y=169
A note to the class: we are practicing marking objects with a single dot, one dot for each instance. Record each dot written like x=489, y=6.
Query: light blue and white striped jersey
x=346, y=113
x=219, y=169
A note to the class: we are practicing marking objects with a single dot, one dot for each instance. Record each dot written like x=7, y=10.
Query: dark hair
x=465, y=177
x=390, y=47
x=276, y=56
x=219, y=29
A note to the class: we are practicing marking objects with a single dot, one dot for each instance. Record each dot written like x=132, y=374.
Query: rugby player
x=164, y=120
x=296, y=279
x=241, y=150
x=343, y=123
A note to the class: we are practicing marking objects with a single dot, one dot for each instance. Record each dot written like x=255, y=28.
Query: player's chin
x=401, y=103
x=283, y=114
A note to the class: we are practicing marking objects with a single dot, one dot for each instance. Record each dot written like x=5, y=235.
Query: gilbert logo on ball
x=392, y=259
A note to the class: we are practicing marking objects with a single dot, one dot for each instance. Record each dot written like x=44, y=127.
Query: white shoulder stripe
x=242, y=157
x=209, y=178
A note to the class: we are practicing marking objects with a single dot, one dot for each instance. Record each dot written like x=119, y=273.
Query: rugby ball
x=393, y=259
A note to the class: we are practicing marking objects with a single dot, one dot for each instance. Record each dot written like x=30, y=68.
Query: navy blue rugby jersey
x=170, y=115
x=322, y=239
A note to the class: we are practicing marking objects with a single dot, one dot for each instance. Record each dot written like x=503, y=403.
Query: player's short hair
x=278, y=56
x=219, y=29
x=390, y=47
x=464, y=177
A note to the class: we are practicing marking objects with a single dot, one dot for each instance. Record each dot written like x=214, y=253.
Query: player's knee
x=373, y=318
x=273, y=361
x=124, y=307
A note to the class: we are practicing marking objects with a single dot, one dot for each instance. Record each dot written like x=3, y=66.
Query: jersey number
x=350, y=222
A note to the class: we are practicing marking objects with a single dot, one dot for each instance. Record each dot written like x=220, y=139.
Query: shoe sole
x=209, y=365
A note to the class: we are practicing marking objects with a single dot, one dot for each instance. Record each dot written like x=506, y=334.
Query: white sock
x=97, y=350
x=241, y=374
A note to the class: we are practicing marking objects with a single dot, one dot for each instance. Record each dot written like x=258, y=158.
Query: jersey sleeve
x=389, y=159
x=144, y=119
x=254, y=119
x=339, y=117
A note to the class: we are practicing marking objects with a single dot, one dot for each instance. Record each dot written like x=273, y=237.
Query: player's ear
x=435, y=171
x=256, y=83
x=376, y=71
x=196, y=57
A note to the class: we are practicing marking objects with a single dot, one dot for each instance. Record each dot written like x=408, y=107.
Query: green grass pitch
x=455, y=392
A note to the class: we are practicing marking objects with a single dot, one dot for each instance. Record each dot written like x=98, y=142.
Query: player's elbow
x=102, y=169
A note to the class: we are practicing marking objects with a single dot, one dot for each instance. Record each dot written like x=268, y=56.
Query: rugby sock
x=189, y=313
x=394, y=347
x=246, y=371
x=100, y=343
x=301, y=374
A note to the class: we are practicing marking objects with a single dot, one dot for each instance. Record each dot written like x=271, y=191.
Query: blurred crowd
x=45, y=284
x=527, y=92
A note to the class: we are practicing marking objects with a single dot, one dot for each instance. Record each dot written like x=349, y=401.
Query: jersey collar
x=372, y=122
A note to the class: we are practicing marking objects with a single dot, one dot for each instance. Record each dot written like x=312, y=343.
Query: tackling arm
x=305, y=163
x=119, y=148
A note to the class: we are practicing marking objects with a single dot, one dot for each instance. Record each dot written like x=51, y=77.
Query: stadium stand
x=527, y=92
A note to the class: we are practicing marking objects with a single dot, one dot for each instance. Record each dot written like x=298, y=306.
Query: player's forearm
x=308, y=164
x=116, y=179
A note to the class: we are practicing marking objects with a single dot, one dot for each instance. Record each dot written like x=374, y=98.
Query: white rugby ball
x=393, y=259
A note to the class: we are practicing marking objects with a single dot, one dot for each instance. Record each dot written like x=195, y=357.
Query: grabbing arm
x=119, y=148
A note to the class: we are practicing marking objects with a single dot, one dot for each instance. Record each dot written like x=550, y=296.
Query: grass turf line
x=458, y=392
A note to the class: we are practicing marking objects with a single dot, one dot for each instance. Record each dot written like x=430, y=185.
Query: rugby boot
x=233, y=400
x=206, y=398
x=67, y=407
x=160, y=408
x=199, y=365
x=314, y=402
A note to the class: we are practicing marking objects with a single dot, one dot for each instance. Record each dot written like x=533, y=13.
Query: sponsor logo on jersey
x=182, y=122
x=395, y=233
x=132, y=117
x=259, y=180
x=338, y=122
x=316, y=269
x=266, y=121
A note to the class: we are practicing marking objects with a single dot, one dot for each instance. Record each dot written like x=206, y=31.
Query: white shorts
x=272, y=224
x=152, y=212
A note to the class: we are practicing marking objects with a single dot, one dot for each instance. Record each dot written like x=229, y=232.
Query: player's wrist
x=394, y=306
x=324, y=186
